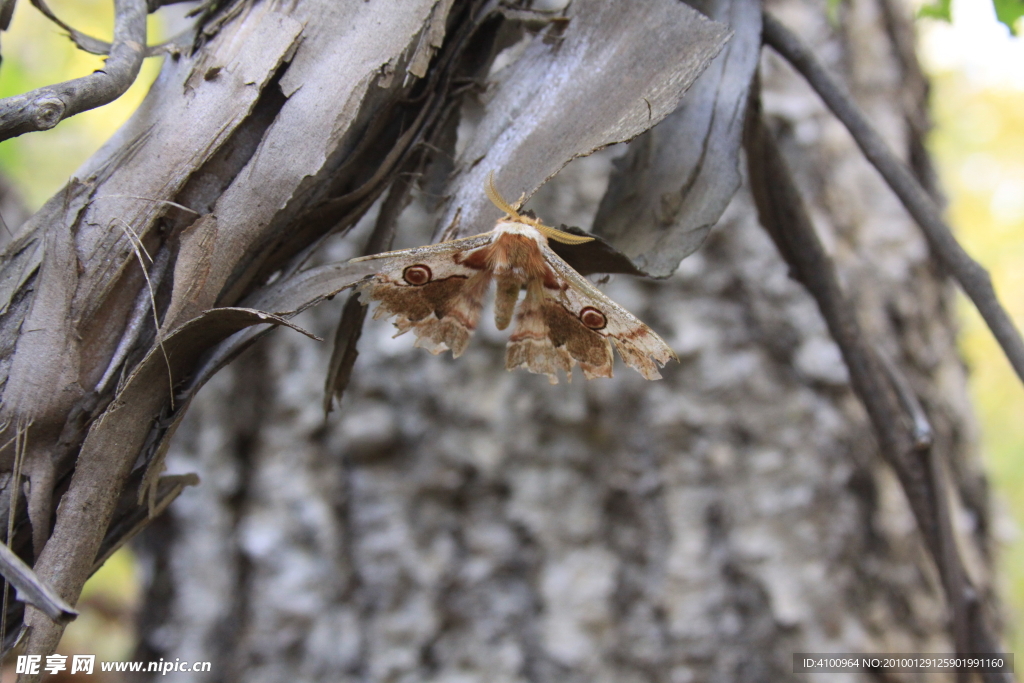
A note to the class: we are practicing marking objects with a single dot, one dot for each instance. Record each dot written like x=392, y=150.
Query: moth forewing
x=430, y=251
x=430, y=292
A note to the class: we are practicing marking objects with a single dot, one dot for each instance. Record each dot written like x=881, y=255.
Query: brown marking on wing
x=551, y=280
x=639, y=346
x=442, y=313
x=549, y=338
x=593, y=318
x=414, y=302
x=530, y=346
x=477, y=259
x=588, y=348
x=417, y=275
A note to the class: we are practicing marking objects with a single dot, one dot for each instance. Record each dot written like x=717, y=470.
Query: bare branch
x=81, y=40
x=782, y=213
x=96, y=46
x=974, y=279
x=923, y=433
x=44, y=108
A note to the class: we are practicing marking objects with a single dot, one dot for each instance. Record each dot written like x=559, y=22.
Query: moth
x=437, y=291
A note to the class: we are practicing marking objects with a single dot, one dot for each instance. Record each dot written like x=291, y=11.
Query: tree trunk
x=455, y=522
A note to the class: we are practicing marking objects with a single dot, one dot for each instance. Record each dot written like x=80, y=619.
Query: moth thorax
x=518, y=253
x=505, y=300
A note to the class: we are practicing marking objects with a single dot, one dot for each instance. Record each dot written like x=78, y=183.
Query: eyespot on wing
x=417, y=275
x=593, y=318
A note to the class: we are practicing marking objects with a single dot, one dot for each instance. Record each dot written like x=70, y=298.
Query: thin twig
x=148, y=199
x=95, y=46
x=81, y=40
x=140, y=249
x=44, y=108
x=784, y=217
x=974, y=279
x=923, y=433
x=137, y=318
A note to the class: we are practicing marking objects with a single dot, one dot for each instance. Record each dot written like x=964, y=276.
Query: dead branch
x=898, y=430
x=110, y=449
x=974, y=279
x=45, y=107
x=350, y=325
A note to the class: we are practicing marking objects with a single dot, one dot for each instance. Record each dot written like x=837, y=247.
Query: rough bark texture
x=455, y=522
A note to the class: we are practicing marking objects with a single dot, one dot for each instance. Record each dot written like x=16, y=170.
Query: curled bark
x=32, y=589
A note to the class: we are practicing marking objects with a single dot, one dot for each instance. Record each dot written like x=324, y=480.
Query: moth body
x=514, y=259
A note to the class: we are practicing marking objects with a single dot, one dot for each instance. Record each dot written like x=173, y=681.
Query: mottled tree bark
x=455, y=522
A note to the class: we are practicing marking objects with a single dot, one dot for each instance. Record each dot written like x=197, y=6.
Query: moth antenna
x=513, y=212
x=497, y=199
x=561, y=235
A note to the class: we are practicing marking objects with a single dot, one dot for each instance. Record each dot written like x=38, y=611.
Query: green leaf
x=832, y=11
x=938, y=9
x=1008, y=12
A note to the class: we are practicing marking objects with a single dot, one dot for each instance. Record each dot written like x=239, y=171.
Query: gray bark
x=454, y=522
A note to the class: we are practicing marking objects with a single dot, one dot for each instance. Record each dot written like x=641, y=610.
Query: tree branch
x=96, y=46
x=974, y=279
x=44, y=108
x=923, y=433
x=899, y=431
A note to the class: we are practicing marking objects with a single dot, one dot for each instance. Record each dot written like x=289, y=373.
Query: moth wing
x=638, y=345
x=430, y=291
x=464, y=244
x=545, y=340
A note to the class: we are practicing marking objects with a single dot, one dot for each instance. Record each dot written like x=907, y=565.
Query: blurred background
x=977, y=145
